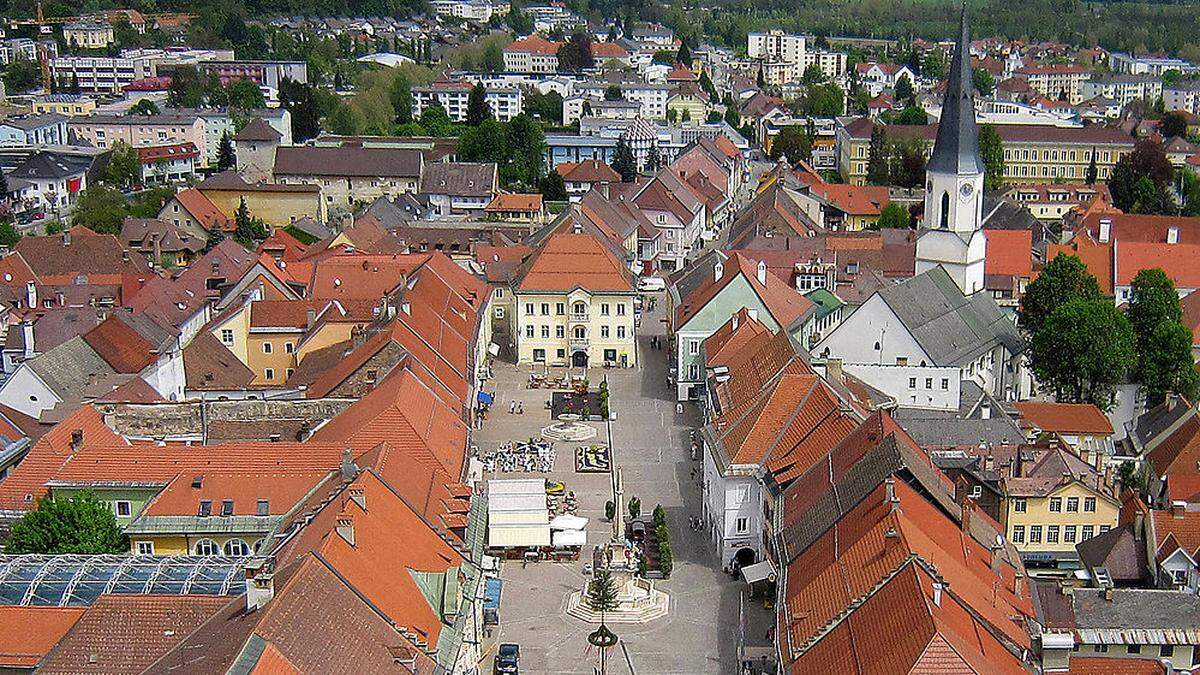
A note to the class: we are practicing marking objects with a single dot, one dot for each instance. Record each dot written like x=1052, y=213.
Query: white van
x=650, y=284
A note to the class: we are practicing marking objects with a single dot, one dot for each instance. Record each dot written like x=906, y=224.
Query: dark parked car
x=508, y=659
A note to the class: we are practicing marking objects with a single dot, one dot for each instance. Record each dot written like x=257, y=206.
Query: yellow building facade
x=1041, y=526
x=578, y=328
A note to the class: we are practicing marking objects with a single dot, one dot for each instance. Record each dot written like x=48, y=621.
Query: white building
x=651, y=97
x=1183, y=95
x=1123, y=89
x=784, y=57
x=505, y=102
x=1121, y=62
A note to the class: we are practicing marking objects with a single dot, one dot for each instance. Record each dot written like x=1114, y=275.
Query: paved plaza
x=651, y=444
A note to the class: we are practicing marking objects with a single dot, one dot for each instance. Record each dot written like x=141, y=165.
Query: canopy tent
x=570, y=537
x=568, y=521
x=485, y=398
x=759, y=571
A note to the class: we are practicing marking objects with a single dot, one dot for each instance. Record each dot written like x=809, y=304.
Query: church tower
x=952, y=235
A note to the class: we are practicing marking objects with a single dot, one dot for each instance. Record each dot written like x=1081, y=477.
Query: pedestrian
x=512, y=407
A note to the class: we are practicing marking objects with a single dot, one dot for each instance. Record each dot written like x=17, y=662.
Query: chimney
x=1018, y=584
x=1105, y=230
x=310, y=317
x=31, y=295
x=967, y=507
x=753, y=314
x=156, y=240
x=985, y=411
x=989, y=463
x=1173, y=235
x=1178, y=508
x=889, y=495
x=27, y=334
x=1108, y=594
x=358, y=496
x=345, y=529
x=349, y=470
x=406, y=307
x=1139, y=520
x=762, y=272
x=997, y=555
x=66, y=237
x=1171, y=401
x=718, y=270
x=260, y=584
x=937, y=594
x=735, y=321
x=833, y=370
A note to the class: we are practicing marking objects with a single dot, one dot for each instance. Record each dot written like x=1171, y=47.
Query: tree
x=576, y=54
x=911, y=114
x=484, y=143
x=1092, y=172
x=813, y=75
x=823, y=100
x=1152, y=300
x=877, y=157
x=79, y=524
x=143, y=107
x=904, y=89
x=992, y=150
x=124, y=168
x=906, y=163
x=520, y=22
x=300, y=100
x=100, y=208
x=613, y=93
x=894, y=216
x=402, y=100
x=1134, y=195
x=1165, y=362
x=1063, y=279
x=793, y=143
x=226, y=159
x=602, y=591
x=707, y=85
x=249, y=230
x=8, y=233
x=554, y=189
x=624, y=162
x=492, y=60
x=527, y=145
x=684, y=54
x=1083, y=350
x=477, y=106
x=435, y=121
x=984, y=82
x=654, y=159
x=244, y=94
x=22, y=75
x=1174, y=124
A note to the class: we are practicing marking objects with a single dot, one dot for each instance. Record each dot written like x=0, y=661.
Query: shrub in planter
x=635, y=508
x=610, y=510
x=660, y=515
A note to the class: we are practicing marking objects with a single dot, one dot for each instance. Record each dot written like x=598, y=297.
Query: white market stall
x=517, y=513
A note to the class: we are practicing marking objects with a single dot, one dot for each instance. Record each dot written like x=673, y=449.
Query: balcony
x=578, y=317
x=579, y=342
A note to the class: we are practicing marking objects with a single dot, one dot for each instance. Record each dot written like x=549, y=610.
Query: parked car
x=508, y=659
x=649, y=284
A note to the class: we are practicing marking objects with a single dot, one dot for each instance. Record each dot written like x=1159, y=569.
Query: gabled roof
x=79, y=252
x=1009, y=252
x=569, y=260
x=343, y=161
x=534, y=44
x=202, y=209
x=129, y=342
x=1177, y=260
x=952, y=328
x=41, y=628
x=785, y=305
x=587, y=171
x=26, y=483
x=127, y=633
x=459, y=179
x=209, y=365
x=1066, y=418
x=258, y=129
x=173, y=300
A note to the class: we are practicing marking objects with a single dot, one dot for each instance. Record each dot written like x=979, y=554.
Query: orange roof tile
x=40, y=629
x=120, y=345
x=26, y=483
x=733, y=335
x=203, y=210
x=361, y=276
x=1182, y=529
x=534, y=44
x=1009, y=252
x=1116, y=665
x=569, y=260
x=1177, y=260
x=856, y=200
x=588, y=171
x=784, y=304
x=1190, y=305
x=1095, y=256
x=509, y=201
x=282, y=246
x=1067, y=418
x=280, y=489
x=608, y=50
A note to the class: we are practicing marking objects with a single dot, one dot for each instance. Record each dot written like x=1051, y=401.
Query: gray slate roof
x=952, y=328
x=1137, y=609
x=956, y=150
x=70, y=367
x=459, y=179
x=966, y=426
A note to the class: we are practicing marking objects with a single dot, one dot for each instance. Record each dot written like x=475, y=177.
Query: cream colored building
x=574, y=305
x=88, y=34
x=64, y=104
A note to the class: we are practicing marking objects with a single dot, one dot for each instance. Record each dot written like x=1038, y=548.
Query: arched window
x=207, y=547
x=945, y=211
x=579, y=309
x=236, y=548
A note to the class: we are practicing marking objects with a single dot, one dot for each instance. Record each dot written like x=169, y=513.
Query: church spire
x=956, y=150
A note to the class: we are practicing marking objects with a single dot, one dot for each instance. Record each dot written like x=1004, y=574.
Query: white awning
x=570, y=538
x=568, y=522
x=759, y=571
x=506, y=536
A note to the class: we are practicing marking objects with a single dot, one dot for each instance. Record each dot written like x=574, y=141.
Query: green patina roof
x=825, y=301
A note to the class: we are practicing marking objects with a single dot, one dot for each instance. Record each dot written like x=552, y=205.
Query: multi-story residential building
x=111, y=74
x=1129, y=64
x=265, y=73
x=775, y=45
x=1053, y=500
x=459, y=188
x=479, y=11
x=1056, y=81
x=574, y=305
x=172, y=163
x=532, y=54
x=651, y=97
x=88, y=34
x=64, y=104
x=1032, y=153
x=1050, y=202
x=1123, y=89
x=25, y=48
x=218, y=122
x=104, y=131
x=453, y=95
x=784, y=57
x=1182, y=95
x=349, y=174
x=43, y=129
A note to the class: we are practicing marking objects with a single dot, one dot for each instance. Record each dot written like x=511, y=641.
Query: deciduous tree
x=1063, y=279
x=793, y=143
x=79, y=524
x=894, y=216
x=1083, y=350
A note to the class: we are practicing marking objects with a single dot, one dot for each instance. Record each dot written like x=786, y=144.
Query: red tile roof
x=1095, y=256
x=1190, y=304
x=1177, y=453
x=507, y=201
x=1141, y=227
x=681, y=73
x=160, y=153
x=127, y=633
x=568, y=260
x=1115, y=665
x=1009, y=252
x=120, y=346
x=588, y=171
x=732, y=337
x=1066, y=418
x=534, y=44
x=282, y=246
x=356, y=276
x=608, y=50
x=1176, y=530
x=40, y=629
x=202, y=209
x=25, y=483
x=784, y=304
x=281, y=489
x=1177, y=260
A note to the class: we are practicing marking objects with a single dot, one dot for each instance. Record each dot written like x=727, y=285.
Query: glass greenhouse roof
x=72, y=580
